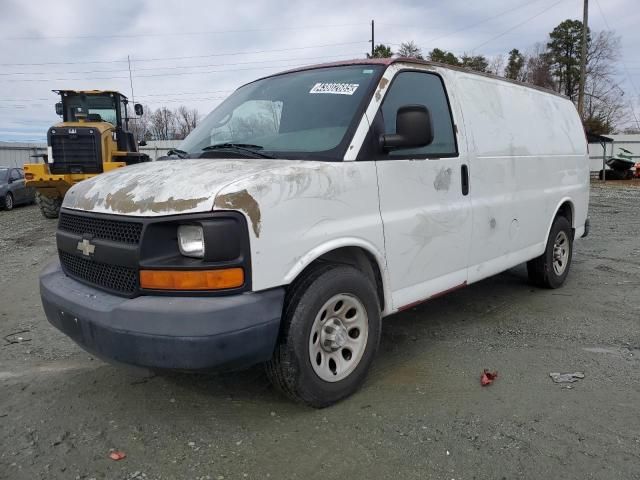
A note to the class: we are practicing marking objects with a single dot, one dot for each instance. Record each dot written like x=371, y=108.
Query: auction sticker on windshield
x=335, y=88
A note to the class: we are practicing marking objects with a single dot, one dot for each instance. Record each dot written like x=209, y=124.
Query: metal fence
x=17, y=154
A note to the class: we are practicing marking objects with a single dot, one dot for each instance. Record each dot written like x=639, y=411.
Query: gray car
x=12, y=188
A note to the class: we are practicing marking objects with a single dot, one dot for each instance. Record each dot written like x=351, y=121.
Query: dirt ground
x=421, y=414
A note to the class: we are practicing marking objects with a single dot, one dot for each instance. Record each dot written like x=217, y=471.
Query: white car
x=309, y=205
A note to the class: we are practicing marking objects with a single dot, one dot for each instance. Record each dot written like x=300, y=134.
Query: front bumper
x=190, y=333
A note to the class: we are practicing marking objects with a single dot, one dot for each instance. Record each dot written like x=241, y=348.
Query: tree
x=186, y=120
x=381, y=51
x=139, y=125
x=410, y=50
x=475, y=62
x=564, y=49
x=537, y=67
x=442, y=56
x=515, y=65
x=604, y=107
x=162, y=124
x=496, y=65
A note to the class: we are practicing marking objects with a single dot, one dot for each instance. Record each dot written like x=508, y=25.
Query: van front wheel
x=330, y=334
x=552, y=267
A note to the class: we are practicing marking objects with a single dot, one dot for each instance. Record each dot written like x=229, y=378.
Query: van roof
x=389, y=61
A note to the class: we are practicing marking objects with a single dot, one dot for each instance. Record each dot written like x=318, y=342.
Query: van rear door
x=426, y=214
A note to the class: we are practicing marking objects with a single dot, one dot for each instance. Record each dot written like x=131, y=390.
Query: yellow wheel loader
x=93, y=137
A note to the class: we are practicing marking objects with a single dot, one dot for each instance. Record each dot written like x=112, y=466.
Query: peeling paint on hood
x=164, y=188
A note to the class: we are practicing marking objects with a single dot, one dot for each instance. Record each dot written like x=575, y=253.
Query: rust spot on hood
x=122, y=201
x=242, y=200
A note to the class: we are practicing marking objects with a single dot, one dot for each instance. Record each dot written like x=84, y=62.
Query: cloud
x=75, y=33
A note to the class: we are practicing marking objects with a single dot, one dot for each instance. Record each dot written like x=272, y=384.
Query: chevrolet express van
x=310, y=204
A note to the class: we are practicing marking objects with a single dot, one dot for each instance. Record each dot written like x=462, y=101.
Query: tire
x=7, y=201
x=305, y=329
x=50, y=207
x=551, y=268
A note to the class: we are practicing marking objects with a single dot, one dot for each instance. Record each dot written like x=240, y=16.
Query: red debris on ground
x=487, y=377
x=116, y=455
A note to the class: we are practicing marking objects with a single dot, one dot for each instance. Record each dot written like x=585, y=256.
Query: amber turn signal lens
x=29, y=176
x=192, y=279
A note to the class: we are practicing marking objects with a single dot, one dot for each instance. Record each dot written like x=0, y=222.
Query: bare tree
x=496, y=65
x=140, y=125
x=186, y=120
x=605, y=110
x=162, y=124
x=410, y=50
x=537, y=67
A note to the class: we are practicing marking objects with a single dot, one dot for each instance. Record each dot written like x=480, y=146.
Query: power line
x=180, y=33
x=517, y=25
x=179, y=67
x=183, y=57
x=167, y=94
x=624, y=65
x=155, y=74
x=470, y=26
x=155, y=101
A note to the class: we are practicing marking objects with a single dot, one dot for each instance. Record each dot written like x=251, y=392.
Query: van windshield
x=306, y=114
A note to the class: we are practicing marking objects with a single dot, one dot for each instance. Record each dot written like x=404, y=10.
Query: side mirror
x=138, y=109
x=59, y=109
x=413, y=129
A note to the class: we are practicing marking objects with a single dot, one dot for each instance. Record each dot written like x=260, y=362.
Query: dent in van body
x=443, y=179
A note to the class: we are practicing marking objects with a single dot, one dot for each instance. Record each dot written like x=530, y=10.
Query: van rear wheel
x=551, y=268
x=50, y=207
x=329, y=336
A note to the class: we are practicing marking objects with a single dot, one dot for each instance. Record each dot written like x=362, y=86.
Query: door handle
x=464, y=179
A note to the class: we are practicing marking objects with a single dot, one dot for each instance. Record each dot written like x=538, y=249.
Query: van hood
x=164, y=188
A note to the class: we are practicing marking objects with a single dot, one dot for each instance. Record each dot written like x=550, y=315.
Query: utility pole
x=583, y=58
x=133, y=99
x=373, y=45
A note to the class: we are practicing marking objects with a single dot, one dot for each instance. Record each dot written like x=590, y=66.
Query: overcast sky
x=196, y=52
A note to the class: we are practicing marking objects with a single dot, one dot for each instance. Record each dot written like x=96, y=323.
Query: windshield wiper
x=178, y=153
x=239, y=147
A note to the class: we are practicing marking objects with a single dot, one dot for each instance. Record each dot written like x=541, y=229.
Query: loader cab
x=99, y=106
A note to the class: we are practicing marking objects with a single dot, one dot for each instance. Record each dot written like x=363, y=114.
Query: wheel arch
x=565, y=208
x=352, y=251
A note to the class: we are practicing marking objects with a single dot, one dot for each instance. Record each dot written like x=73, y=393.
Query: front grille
x=114, y=230
x=113, y=277
x=75, y=153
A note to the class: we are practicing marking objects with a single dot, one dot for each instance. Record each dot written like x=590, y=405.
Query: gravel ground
x=421, y=414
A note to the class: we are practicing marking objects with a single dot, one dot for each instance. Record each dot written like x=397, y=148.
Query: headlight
x=191, y=241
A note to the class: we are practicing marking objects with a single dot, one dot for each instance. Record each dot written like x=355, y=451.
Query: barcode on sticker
x=335, y=88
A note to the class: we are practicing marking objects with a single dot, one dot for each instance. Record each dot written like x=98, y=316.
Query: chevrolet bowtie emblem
x=86, y=247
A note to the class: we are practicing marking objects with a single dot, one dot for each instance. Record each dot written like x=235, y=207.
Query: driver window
x=252, y=119
x=14, y=175
x=410, y=88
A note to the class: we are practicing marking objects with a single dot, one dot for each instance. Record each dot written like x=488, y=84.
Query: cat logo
x=72, y=131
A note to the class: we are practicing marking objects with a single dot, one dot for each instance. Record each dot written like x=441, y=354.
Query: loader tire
x=50, y=207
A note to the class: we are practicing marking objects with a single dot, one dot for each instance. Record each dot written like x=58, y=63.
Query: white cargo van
x=309, y=205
